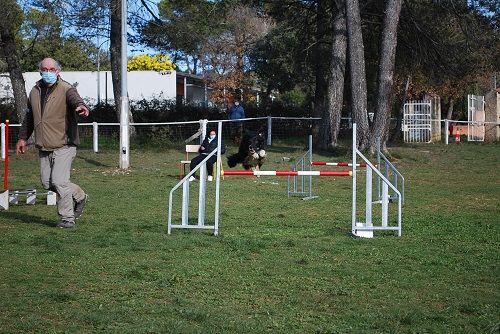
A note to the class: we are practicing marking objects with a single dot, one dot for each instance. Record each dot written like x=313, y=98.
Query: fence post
x=95, y=137
x=203, y=126
x=369, y=197
x=446, y=135
x=269, y=130
x=2, y=140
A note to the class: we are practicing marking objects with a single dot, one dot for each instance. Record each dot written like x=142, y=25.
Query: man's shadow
x=28, y=219
x=92, y=162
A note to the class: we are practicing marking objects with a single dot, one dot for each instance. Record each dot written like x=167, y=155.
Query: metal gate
x=417, y=122
x=475, y=111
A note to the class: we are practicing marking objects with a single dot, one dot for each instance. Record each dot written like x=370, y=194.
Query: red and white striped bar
x=285, y=173
x=342, y=164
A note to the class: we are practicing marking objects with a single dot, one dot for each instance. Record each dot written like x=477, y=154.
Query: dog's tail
x=233, y=160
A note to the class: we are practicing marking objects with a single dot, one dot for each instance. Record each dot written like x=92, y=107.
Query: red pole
x=6, y=162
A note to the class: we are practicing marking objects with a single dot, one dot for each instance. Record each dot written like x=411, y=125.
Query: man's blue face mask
x=49, y=77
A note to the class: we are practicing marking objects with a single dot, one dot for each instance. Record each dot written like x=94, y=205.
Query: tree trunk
x=451, y=107
x=358, y=73
x=330, y=128
x=115, y=46
x=115, y=51
x=9, y=47
x=397, y=134
x=386, y=73
x=322, y=64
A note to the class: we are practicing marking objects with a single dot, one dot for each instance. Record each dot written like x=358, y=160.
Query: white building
x=168, y=85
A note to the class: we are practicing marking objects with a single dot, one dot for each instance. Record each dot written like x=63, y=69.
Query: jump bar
x=285, y=173
x=342, y=164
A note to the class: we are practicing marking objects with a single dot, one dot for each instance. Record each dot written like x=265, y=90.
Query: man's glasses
x=51, y=70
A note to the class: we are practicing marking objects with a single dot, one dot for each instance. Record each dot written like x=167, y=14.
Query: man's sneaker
x=79, y=206
x=66, y=224
x=210, y=178
x=192, y=178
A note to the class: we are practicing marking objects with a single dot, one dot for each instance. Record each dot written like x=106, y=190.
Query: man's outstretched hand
x=21, y=146
x=82, y=111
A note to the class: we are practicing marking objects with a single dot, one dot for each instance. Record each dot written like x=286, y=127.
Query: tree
x=281, y=60
x=335, y=95
x=447, y=47
x=9, y=25
x=386, y=73
x=358, y=74
x=321, y=65
x=225, y=56
x=182, y=29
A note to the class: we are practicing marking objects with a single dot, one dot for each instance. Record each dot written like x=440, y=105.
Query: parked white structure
x=169, y=85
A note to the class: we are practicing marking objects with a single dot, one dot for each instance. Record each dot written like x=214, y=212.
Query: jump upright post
x=4, y=196
x=366, y=228
x=301, y=186
x=184, y=183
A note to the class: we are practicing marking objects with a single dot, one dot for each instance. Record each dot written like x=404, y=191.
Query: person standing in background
x=236, y=112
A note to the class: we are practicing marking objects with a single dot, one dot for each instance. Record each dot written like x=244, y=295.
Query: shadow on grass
x=30, y=219
x=93, y=162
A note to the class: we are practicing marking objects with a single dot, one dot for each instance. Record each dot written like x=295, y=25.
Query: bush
x=8, y=111
x=164, y=110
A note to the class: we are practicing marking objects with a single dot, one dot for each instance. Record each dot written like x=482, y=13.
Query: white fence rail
x=96, y=135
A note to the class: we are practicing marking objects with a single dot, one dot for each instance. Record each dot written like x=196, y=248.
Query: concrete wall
x=141, y=84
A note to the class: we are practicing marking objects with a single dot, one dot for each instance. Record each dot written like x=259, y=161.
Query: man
x=52, y=111
x=235, y=113
x=208, y=145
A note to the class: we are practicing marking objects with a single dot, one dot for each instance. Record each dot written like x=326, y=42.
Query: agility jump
x=12, y=196
x=359, y=228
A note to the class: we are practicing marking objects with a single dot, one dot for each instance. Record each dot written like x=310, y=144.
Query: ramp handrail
x=397, y=175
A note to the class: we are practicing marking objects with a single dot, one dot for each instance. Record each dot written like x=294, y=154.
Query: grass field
x=279, y=265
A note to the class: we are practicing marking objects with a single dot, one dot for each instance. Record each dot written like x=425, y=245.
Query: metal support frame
x=201, y=194
x=359, y=228
x=389, y=171
x=301, y=185
x=31, y=196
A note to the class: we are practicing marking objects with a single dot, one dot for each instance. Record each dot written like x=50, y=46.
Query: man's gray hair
x=58, y=66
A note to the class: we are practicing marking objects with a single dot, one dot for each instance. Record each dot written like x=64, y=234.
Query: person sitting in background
x=208, y=145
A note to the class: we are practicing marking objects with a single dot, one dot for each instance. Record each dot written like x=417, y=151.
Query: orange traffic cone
x=457, y=137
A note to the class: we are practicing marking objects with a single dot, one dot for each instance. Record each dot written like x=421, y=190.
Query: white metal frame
x=476, y=117
x=417, y=122
x=366, y=228
x=201, y=194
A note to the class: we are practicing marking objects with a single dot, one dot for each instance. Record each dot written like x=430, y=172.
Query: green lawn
x=279, y=265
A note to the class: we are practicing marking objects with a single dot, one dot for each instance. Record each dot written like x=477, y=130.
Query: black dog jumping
x=251, y=153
